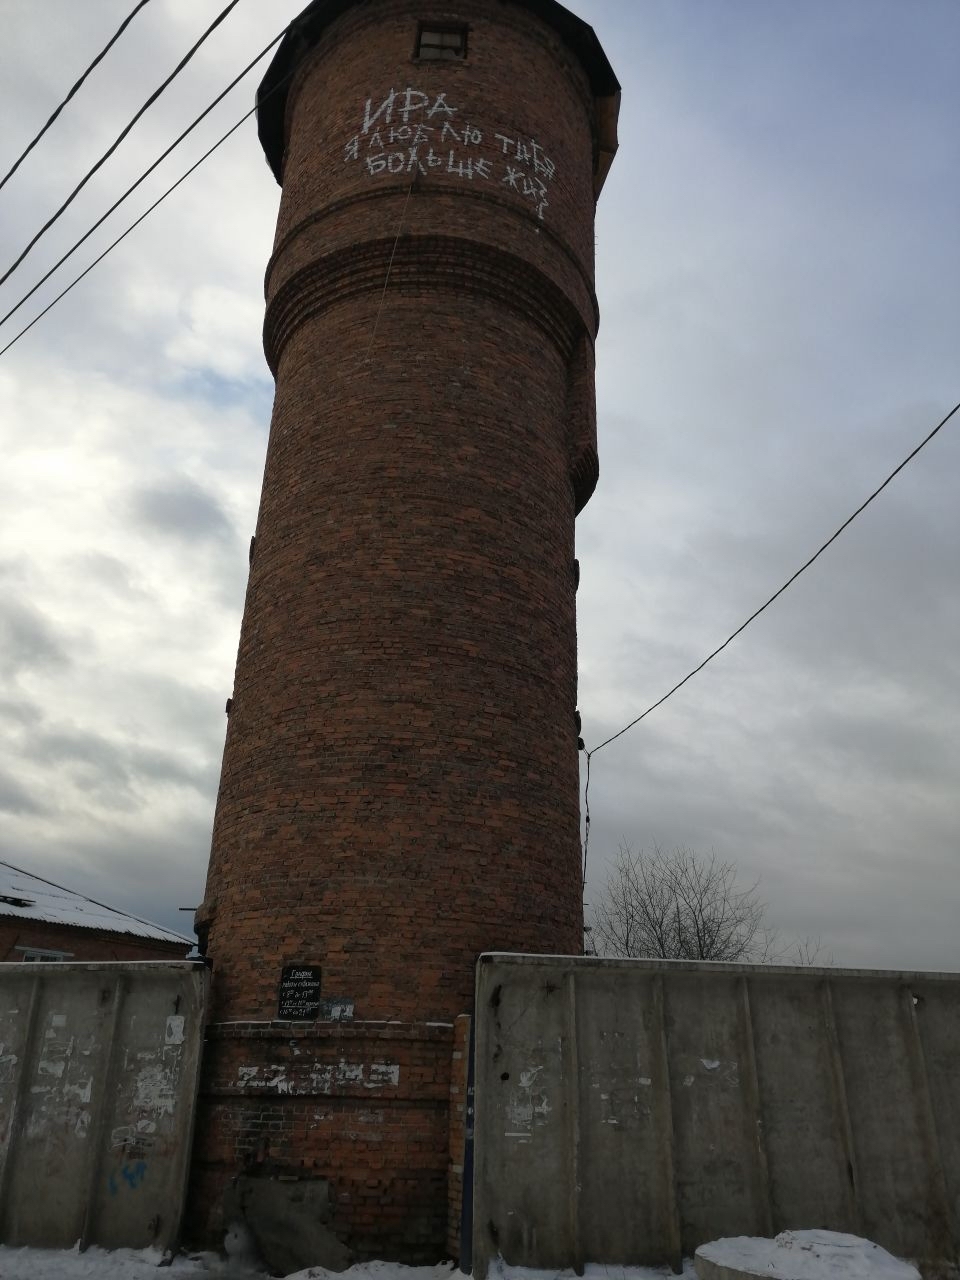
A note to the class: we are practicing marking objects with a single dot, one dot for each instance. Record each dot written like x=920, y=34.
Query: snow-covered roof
x=28, y=897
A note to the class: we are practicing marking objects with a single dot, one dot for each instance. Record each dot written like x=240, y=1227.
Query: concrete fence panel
x=98, y=1077
x=629, y=1111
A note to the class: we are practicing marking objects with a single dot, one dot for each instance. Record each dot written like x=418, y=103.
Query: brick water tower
x=400, y=779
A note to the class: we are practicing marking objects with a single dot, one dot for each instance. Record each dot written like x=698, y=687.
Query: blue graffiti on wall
x=132, y=1174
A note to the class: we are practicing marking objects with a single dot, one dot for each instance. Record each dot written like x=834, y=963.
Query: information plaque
x=299, y=997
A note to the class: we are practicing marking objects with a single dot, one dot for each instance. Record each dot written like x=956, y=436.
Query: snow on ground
x=381, y=1271
x=793, y=1255
x=129, y=1264
x=808, y=1255
x=95, y=1264
x=147, y=1264
x=499, y=1270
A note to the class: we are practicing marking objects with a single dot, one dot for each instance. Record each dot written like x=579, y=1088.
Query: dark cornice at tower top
x=306, y=30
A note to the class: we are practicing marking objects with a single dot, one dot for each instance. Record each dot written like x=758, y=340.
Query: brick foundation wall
x=364, y=1107
x=82, y=944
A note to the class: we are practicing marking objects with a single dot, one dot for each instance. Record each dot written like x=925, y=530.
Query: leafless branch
x=680, y=906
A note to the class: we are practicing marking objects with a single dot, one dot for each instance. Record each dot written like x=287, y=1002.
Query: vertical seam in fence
x=197, y=986
x=469, y=1140
x=572, y=1075
x=756, y=1134
x=674, y=1233
x=840, y=1098
x=928, y=1118
x=481, y=1049
x=99, y=1110
x=20, y=1086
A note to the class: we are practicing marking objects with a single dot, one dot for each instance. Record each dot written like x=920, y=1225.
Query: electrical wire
x=690, y=675
x=134, y=225
x=143, y=177
x=97, y=60
x=586, y=822
x=790, y=581
x=120, y=137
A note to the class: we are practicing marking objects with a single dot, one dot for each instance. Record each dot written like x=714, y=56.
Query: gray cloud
x=16, y=799
x=182, y=509
x=19, y=711
x=28, y=640
x=173, y=711
x=113, y=769
x=110, y=572
x=148, y=872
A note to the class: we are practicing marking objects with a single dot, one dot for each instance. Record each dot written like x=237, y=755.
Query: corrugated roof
x=27, y=897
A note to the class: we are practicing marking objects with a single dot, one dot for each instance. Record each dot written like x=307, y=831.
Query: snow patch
x=53, y=904
x=131, y=1264
x=500, y=1270
x=807, y=1255
x=381, y=1271
x=98, y=1264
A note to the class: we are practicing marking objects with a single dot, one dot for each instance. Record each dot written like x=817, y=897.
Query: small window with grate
x=440, y=43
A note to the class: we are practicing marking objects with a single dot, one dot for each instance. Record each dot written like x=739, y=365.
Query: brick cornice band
x=420, y=264
x=318, y=221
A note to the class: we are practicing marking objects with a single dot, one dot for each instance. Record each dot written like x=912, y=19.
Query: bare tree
x=680, y=906
x=806, y=952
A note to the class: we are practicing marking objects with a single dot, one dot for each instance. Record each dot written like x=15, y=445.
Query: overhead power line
x=756, y=614
x=120, y=137
x=789, y=583
x=123, y=236
x=146, y=213
x=143, y=177
x=97, y=60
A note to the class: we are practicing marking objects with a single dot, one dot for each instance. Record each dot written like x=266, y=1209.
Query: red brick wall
x=82, y=944
x=400, y=780
x=364, y=1106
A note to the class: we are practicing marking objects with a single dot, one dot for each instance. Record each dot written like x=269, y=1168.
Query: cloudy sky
x=778, y=261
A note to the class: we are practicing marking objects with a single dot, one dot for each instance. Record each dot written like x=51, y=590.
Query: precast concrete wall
x=629, y=1111
x=98, y=1078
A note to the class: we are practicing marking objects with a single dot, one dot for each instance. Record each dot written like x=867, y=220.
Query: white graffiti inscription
x=412, y=132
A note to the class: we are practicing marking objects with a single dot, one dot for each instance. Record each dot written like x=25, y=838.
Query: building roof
x=305, y=30
x=27, y=897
